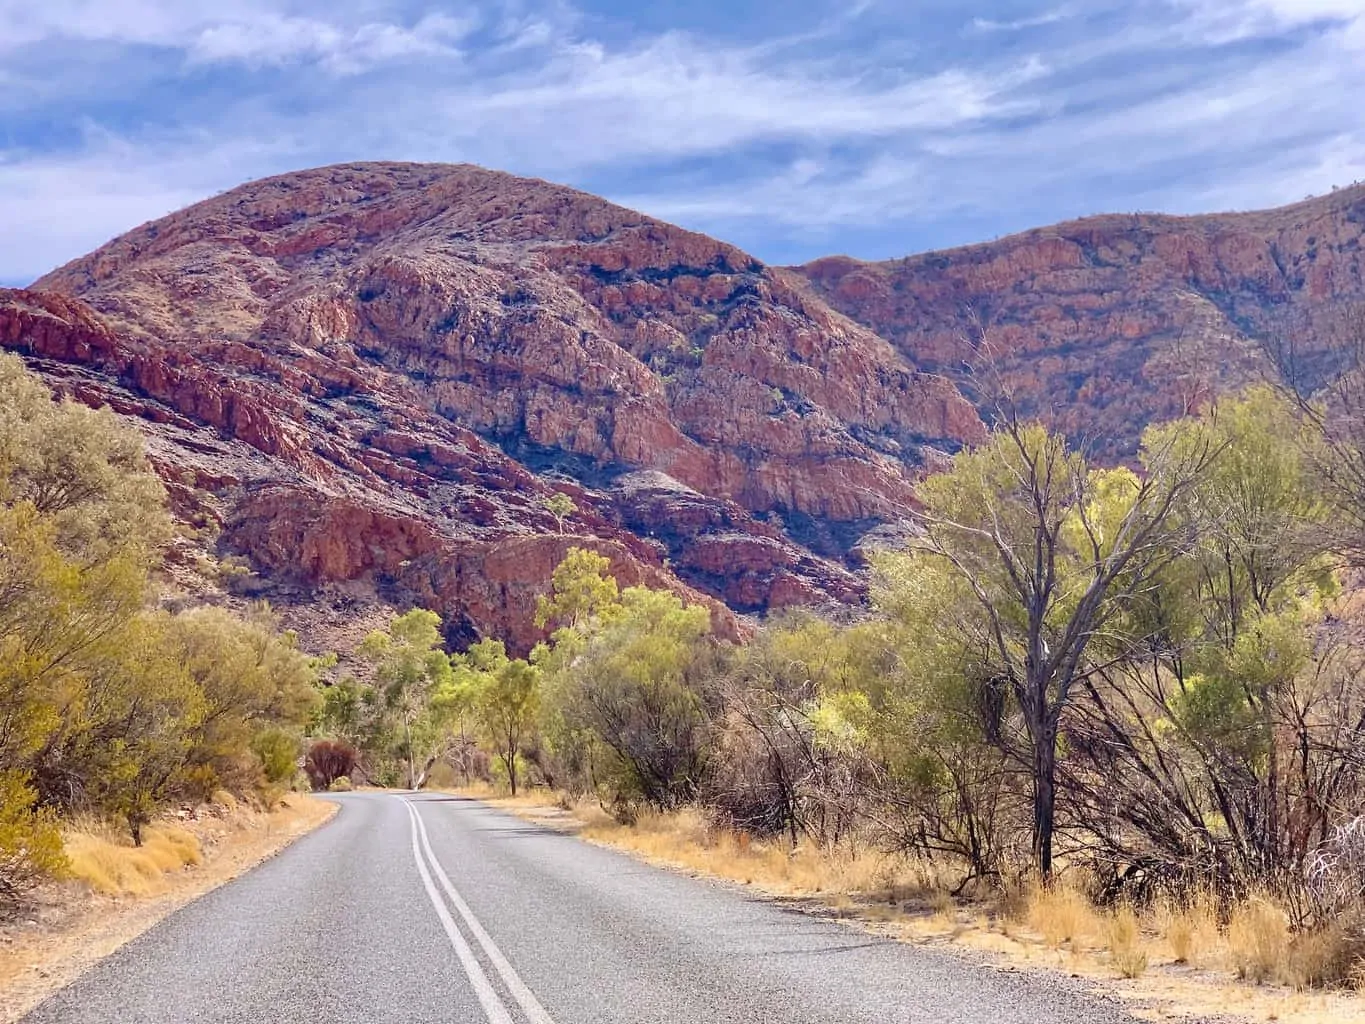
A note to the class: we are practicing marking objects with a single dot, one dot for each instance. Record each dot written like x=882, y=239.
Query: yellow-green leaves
x=30, y=841
x=81, y=469
x=583, y=589
x=106, y=705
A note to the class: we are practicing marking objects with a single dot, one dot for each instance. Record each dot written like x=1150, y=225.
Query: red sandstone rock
x=377, y=373
x=1109, y=323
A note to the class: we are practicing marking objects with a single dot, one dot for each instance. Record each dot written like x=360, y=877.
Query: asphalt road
x=439, y=909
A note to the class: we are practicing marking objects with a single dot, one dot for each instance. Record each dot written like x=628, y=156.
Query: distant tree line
x=1152, y=672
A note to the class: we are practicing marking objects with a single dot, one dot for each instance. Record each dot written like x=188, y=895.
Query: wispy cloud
x=271, y=39
x=1019, y=24
x=870, y=124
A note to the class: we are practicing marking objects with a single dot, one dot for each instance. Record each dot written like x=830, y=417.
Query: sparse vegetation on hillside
x=107, y=705
x=1148, y=683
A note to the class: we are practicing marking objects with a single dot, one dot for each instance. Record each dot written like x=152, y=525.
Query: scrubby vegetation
x=1146, y=681
x=1120, y=702
x=110, y=706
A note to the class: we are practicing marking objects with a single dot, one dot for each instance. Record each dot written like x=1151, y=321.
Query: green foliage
x=30, y=841
x=81, y=469
x=104, y=704
x=252, y=679
x=561, y=506
x=277, y=750
x=626, y=706
x=410, y=670
x=129, y=743
x=507, y=703
x=583, y=590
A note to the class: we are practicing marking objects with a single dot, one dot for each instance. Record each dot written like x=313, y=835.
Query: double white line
x=494, y=1008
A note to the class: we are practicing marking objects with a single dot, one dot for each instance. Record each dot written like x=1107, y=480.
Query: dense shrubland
x=1149, y=678
x=108, y=705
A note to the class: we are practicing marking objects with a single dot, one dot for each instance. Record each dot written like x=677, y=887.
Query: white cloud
x=677, y=96
x=254, y=32
x=1225, y=21
x=270, y=39
x=1020, y=24
x=818, y=130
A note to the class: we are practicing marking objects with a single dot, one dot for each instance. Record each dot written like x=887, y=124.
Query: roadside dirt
x=1164, y=992
x=68, y=928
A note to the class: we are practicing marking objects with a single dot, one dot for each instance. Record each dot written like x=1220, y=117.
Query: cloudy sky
x=794, y=128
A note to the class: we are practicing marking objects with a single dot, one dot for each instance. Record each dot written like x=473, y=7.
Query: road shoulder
x=1165, y=992
x=69, y=929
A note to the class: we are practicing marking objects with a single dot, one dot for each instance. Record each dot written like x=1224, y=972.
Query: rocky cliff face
x=1109, y=323
x=367, y=380
x=374, y=375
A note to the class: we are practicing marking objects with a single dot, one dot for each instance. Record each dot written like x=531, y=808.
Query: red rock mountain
x=1108, y=323
x=367, y=379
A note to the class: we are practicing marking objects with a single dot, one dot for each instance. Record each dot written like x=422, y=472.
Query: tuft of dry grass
x=1190, y=929
x=1062, y=915
x=1123, y=936
x=110, y=863
x=1258, y=939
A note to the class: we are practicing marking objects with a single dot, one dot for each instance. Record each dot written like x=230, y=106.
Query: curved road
x=430, y=908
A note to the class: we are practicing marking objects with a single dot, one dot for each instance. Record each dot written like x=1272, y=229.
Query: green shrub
x=278, y=752
x=340, y=785
x=30, y=843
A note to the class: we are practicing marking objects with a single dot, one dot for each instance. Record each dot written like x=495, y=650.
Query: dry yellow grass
x=1123, y=935
x=1173, y=962
x=79, y=926
x=1190, y=929
x=110, y=863
x=684, y=839
x=1063, y=916
x=1257, y=939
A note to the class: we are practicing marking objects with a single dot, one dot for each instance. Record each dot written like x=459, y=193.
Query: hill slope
x=1109, y=323
x=373, y=375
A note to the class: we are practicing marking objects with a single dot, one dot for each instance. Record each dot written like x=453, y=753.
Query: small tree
x=506, y=697
x=561, y=506
x=1049, y=550
x=410, y=667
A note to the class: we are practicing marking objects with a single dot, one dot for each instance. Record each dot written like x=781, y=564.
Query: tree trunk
x=1044, y=798
x=407, y=742
x=512, y=765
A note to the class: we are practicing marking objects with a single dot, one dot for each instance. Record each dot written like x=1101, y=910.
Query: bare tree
x=1049, y=558
x=1327, y=383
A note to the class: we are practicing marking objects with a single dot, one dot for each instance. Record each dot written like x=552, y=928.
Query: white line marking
x=525, y=998
x=493, y=1007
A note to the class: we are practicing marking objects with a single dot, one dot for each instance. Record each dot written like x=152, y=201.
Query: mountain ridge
x=1091, y=318
x=416, y=356
x=366, y=380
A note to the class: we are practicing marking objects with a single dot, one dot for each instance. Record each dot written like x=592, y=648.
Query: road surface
x=438, y=909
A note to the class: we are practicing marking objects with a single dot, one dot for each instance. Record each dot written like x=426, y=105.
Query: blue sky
x=794, y=128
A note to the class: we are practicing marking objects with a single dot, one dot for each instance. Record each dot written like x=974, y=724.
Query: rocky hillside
x=1108, y=323
x=366, y=380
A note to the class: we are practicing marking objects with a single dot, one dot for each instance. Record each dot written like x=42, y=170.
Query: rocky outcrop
x=367, y=380
x=1106, y=324
x=378, y=373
